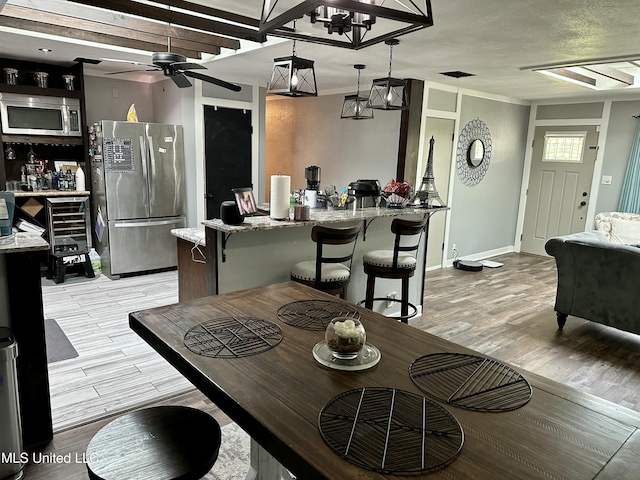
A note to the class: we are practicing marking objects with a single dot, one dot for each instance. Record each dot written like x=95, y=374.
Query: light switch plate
x=606, y=180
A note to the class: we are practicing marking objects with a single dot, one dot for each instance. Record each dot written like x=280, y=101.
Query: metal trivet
x=233, y=337
x=315, y=314
x=470, y=382
x=390, y=431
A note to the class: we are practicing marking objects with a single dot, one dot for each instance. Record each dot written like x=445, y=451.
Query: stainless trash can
x=11, y=455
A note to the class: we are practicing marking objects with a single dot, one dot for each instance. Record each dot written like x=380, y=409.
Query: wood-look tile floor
x=505, y=312
x=115, y=370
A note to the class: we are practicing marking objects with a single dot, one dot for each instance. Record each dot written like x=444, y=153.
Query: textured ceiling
x=492, y=39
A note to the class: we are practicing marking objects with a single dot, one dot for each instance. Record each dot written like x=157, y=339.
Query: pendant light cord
x=358, y=85
x=390, y=58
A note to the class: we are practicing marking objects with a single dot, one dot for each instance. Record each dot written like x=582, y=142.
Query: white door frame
x=601, y=123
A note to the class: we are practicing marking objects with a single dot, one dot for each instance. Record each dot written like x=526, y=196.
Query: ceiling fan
x=176, y=67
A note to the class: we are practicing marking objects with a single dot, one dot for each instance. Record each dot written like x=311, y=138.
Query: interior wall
x=483, y=218
x=308, y=131
x=620, y=134
x=108, y=98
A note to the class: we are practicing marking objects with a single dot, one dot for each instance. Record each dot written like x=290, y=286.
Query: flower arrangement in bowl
x=397, y=194
x=345, y=337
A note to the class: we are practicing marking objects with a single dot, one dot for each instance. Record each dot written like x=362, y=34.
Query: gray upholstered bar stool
x=168, y=442
x=331, y=270
x=397, y=263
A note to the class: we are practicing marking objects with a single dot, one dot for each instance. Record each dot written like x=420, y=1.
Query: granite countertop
x=317, y=216
x=52, y=193
x=193, y=234
x=23, y=242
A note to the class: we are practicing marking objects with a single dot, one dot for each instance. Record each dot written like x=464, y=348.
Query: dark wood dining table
x=276, y=397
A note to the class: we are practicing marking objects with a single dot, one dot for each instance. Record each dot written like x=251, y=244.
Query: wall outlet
x=391, y=296
x=453, y=248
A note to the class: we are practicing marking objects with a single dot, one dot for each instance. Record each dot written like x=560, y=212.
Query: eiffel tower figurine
x=428, y=193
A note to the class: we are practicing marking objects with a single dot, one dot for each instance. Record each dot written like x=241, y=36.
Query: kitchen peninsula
x=261, y=250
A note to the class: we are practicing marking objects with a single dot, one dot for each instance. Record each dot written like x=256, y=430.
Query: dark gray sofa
x=597, y=280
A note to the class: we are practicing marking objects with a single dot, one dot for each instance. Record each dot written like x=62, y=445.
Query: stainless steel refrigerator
x=138, y=188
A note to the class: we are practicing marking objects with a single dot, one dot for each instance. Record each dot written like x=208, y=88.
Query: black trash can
x=11, y=455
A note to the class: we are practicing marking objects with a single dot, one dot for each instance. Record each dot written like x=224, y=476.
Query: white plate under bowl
x=368, y=357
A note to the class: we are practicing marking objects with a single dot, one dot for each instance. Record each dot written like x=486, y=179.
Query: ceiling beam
x=212, y=12
x=179, y=18
x=89, y=36
x=120, y=20
x=90, y=26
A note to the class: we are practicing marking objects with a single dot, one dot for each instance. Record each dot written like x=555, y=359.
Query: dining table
x=411, y=405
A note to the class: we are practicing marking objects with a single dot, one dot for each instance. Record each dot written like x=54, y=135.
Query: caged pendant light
x=355, y=106
x=388, y=93
x=293, y=76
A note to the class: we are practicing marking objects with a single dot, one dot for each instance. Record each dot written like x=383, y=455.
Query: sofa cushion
x=625, y=231
x=332, y=272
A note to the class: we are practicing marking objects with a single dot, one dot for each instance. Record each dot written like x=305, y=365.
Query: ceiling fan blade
x=133, y=71
x=187, y=66
x=215, y=81
x=128, y=61
x=180, y=80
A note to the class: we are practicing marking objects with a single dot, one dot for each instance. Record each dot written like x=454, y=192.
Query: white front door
x=559, y=189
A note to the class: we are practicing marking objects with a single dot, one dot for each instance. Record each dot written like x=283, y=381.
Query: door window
x=563, y=147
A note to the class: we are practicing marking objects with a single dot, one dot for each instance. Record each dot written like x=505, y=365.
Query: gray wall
x=622, y=129
x=484, y=217
x=108, y=98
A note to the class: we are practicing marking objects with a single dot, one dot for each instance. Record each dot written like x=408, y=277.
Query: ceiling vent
x=457, y=74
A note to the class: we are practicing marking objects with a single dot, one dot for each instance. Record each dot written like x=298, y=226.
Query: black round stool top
x=156, y=443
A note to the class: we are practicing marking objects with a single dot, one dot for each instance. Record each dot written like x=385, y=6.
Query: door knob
x=582, y=204
x=584, y=194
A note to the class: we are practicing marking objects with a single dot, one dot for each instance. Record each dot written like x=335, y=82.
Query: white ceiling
x=492, y=39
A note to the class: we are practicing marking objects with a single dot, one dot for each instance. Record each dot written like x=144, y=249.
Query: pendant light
x=388, y=93
x=354, y=106
x=293, y=76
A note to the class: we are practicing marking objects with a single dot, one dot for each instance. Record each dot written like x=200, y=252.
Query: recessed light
x=45, y=50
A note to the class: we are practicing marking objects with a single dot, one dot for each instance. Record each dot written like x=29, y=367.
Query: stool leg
x=61, y=269
x=404, y=311
x=371, y=280
x=343, y=293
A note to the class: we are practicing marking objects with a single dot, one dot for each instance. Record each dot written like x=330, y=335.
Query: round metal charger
x=471, y=382
x=233, y=337
x=315, y=314
x=390, y=431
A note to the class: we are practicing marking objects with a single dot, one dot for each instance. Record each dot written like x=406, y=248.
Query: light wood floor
x=506, y=313
x=115, y=370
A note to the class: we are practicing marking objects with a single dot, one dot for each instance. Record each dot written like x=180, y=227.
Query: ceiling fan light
x=293, y=77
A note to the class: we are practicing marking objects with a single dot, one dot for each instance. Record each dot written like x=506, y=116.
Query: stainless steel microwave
x=23, y=114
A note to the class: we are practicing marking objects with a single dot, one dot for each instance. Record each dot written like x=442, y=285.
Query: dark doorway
x=227, y=151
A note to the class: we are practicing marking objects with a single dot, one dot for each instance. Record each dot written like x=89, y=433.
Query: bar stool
x=396, y=263
x=168, y=442
x=329, y=273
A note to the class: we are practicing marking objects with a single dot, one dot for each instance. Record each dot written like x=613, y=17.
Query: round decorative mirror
x=474, y=152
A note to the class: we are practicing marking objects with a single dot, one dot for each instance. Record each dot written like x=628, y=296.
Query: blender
x=312, y=174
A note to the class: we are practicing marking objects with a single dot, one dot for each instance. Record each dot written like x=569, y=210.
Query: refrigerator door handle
x=126, y=224
x=144, y=155
x=152, y=172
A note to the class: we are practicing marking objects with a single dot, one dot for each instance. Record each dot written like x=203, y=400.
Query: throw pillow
x=625, y=231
